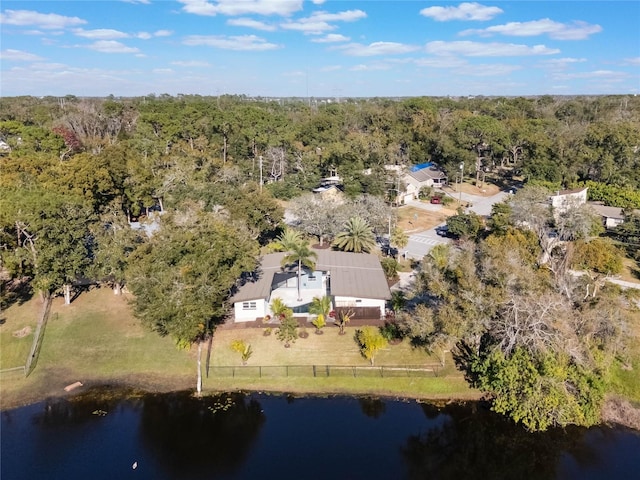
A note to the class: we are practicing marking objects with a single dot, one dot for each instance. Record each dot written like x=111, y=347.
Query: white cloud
x=558, y=31
x=318, y=22
x=191, y=63
x=251, y=23
x=318, y=2
x=50, y=66
x=42, y=20
x=331, y=38
x=162, y=70
x=282, y=8
x=635, y=61
x=487, y=70
x=111, y=46
x=595, y=74
x=12, y=55
x=244, y=42
x=100, y=33
x=308, y=27
x=441, y=62
x=345, y=16
x=376, y=48
x=331, y=68
x=464, y=11
x=562, y=62
x=162, y=33
x=370, y=67
x=476, y=49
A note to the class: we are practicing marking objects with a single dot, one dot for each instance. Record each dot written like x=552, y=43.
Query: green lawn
x=96, y=340
x=18, y=320
x=93, y=340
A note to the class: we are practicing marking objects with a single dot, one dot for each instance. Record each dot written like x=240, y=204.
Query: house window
x=248, y=305
x=358, y=300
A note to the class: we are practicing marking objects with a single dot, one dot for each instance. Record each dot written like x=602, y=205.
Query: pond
x=237, y=436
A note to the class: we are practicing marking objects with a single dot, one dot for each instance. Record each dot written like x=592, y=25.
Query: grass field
x=16, y=333
x=411, y=219
x=97, y=341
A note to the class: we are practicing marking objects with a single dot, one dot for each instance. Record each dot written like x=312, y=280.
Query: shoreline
x=616, y=411
x=22, y=397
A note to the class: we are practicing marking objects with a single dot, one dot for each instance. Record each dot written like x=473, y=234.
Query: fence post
x=260, y=371
x=381, y=372
x=314, y=370
x=328, y=370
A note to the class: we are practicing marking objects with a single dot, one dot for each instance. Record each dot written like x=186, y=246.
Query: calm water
x=174, y=436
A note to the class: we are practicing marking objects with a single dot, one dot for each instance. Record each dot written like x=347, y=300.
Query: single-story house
x=349, y=279
x=611, y=216
x=420, y=176
x=565, y=199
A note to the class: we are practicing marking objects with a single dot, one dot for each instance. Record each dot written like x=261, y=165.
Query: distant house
x=611, y=216
x=421, y=176
x=566, y=199
x=4, y=147
x=330, y=192
x=354, y=280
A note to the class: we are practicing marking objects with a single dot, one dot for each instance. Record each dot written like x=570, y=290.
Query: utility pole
x=460, y=185
x=260, y=163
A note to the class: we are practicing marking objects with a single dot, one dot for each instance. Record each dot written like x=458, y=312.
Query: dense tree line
x=77, y=171
x=524, y=305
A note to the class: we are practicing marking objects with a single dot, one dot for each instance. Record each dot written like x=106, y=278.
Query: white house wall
x=249, y=315
x=359, y=302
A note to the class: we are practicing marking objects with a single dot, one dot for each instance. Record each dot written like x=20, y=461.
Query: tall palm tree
x=399, y=238
x=301, y=255
x=357, y=236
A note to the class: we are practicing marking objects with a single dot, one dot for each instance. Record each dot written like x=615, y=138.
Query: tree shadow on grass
x=15, y=291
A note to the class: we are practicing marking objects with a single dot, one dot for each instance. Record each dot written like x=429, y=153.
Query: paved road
x=421, y=243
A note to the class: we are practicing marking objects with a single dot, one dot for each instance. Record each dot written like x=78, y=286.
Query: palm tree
x=399, y=238
x=301, y=255
x=357, y=236
x=287, y=239
x=321, y=308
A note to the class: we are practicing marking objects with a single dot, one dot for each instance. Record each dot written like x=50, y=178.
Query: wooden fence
x=360, y=313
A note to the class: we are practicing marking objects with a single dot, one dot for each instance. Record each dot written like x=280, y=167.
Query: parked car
x=436, y=200
x=442, y=230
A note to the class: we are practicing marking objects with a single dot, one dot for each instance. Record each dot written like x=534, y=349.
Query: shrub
x=243, y=348
x=370, y=341
x=391, y=331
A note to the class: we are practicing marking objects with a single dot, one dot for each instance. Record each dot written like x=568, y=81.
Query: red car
x=435, y=200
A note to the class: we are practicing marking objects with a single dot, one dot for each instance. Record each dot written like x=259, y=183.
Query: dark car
x=442, y=230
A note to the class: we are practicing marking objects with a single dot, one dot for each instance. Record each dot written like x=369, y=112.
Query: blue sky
x=319, y=48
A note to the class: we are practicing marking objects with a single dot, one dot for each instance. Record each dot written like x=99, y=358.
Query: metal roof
x=352, y=275
x=429, y=173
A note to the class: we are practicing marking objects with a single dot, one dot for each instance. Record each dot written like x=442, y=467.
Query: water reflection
x=191, y=436
x=101, y=434
x=473, y=442
x=372, y=407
